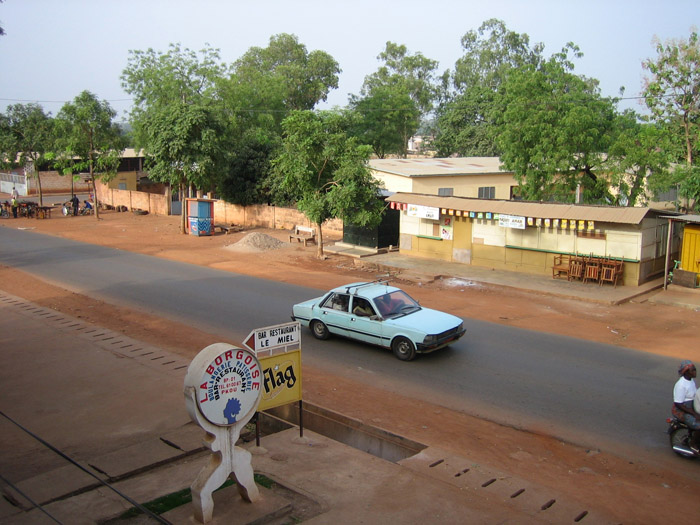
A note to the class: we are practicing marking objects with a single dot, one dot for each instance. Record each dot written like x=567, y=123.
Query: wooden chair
x=608, y=274
x=575, y=268
x=592, y=270
x=561, y=266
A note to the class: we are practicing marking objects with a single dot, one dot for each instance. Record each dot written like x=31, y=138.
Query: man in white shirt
x=684, y=394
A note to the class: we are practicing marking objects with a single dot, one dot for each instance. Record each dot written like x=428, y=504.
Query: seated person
x=87, y=205
x=362, y=308
x=385, y=304
x=338, y=302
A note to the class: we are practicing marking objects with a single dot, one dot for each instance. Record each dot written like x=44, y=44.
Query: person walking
x=76, y=204
x=15, y=205
x=15, y=195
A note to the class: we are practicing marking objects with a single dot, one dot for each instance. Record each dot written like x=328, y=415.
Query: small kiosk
x=200, y=216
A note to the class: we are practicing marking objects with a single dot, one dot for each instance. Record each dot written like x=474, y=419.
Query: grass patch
x=171, y=501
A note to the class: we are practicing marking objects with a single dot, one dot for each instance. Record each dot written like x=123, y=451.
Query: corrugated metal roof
x=547, y=210
x=695, y=219
x=433, y=167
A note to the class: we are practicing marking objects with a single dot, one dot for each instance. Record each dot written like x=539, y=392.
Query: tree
x=326, y=172
x=554, y=130
x=28, y=136
x=637, y=160
x=393, y=100
x=264, y=86
x=385, y=118
x=178, y=117
x=414, y=71
x=464, y=123
x=291, y=77
x=672, y=94
x=88, y=139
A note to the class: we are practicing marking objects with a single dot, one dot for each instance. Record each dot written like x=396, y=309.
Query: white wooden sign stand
x=222, y=392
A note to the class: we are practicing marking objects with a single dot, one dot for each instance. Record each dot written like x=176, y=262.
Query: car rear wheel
x=404, y=349
x=319, y=330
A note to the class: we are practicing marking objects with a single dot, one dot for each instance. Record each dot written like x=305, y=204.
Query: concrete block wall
x=54, y=182
x=260, y=216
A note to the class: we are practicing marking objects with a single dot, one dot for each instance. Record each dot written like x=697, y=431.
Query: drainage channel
x=542, y=503
x=343, y=429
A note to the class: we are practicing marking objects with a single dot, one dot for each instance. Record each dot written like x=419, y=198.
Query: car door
x=364, y=324
x=335, y=313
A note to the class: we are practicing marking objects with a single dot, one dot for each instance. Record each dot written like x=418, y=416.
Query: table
x=43, y=212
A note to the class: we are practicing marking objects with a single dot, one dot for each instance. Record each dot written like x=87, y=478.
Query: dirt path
x=631, y=492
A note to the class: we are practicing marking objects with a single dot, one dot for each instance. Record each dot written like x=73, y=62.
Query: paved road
x=596, y=395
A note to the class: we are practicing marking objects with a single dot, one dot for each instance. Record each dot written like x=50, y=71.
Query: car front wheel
x=404, y=349
x=319, y=330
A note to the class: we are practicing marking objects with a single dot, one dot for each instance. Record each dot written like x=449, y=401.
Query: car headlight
x=430, y=339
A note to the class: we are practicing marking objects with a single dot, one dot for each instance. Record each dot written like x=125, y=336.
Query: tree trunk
x=38, y=186
x=95, y=205
x=319, y=241
x=183, y=208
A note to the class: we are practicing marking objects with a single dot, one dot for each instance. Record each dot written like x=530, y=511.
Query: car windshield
x=395, y=304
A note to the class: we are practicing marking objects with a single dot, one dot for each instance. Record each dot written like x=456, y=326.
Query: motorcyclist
x=683, y=397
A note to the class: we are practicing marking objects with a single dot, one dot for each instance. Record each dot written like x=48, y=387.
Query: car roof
x=366, y=289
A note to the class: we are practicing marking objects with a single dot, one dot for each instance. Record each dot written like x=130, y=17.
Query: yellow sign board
x=281, y=379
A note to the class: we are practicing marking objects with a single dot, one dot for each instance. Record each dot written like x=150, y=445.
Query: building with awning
x=686, y=270
x=526, y=236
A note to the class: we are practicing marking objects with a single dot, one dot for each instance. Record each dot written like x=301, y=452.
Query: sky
x=55, y=49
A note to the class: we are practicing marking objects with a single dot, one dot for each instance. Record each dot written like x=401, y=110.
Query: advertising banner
x=281, y=379
x=511, y=221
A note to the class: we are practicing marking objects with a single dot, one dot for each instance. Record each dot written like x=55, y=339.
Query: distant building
x=475, y=177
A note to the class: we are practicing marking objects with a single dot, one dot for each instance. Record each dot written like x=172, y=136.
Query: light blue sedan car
x=383, y=315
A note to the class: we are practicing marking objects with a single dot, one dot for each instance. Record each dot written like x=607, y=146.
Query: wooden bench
x=223, y=228
x=303, y=234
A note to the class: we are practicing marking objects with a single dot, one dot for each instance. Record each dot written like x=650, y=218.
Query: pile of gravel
x=256, y=242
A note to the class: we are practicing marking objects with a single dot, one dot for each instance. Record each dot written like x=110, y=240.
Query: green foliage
x=393, y=100
x=415, y=74
x=178, y=117
x=465, y=116
x=326, y=171
x=554, y=128
x=385, y=118
x=88, y=137
x=672, y=94
x=244, y=181
x=264, y=86
x=26, y=135
x=638, y=160
x=284, y=75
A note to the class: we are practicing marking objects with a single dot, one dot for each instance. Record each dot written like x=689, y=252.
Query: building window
x=487, y=192
x=445, y=192
x=516, y=193
x=670, y=195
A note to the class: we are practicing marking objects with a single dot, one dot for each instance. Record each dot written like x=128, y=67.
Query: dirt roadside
x=631, y=492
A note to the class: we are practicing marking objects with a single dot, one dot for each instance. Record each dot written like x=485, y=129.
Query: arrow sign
x=273, y=336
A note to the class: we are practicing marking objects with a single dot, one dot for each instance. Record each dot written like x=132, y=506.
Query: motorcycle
x=680, y=438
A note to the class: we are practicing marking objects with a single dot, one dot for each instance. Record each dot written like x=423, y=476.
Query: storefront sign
x=511, y=221
x=281, y=379
x=424, y=212
x=446, y=228
x=228, y=385
x=273, y=337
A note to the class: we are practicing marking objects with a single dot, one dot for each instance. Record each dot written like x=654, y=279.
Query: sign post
x=278, y=348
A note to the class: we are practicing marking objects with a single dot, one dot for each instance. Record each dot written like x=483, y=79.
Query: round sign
x=227, y=383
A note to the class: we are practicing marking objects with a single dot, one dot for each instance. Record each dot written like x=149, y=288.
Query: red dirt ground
x=631, y=492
